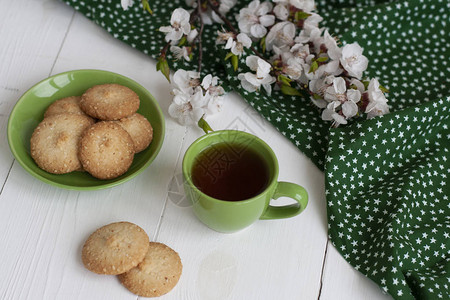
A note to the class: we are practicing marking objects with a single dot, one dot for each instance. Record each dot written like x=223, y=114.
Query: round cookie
x=106, y=150
x=109, y=101
x=156, y=275
x=140, y=130
x=54, y=142
x=115, y=248
x=65, y=105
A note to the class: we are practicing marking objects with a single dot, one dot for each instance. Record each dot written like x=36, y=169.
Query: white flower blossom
x=210, y=84
x=311, y=31
x=209, y=16
x=319, y=102
x=237, y=46
x=224, y=37
x=281, y=11
x=305, y=5
x=186, y=108
x=252, y=82
x=329, y=113
x=214, y=94
x=179, y=25
x=348, y=98
x=319, y=86
x=336, y=92
x=332, y=68
x=353, y=61
x=293, y=68
x=281, y=35
x=186, y=81
x=350, y=108
x=333, y=51
x=192, y=35
x=180, y=52
x=377, y=101
x=302, y=51
x=358, y=84
x=254, y=19
x=209, y=81
x=259, y=65
x=126, y=3
x=226, y=5
x=214, y=104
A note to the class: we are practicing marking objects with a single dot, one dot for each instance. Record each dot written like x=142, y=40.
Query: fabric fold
x=387, y=199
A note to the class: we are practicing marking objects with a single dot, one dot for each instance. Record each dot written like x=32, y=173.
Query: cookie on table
x=54, y=142
x=106, y=150
x=109, y=102
x=115, y=248
x=156, y=275
x=65, y=105
x=140, y=130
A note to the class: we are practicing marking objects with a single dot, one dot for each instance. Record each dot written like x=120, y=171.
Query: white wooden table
x=43, y=228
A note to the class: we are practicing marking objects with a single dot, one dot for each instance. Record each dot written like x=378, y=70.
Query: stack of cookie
x=99, y=132
x=145, y=268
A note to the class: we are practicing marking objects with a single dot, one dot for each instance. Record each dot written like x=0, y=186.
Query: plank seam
x=62, y=43
x=158, y=227
x=7, y=176
x=323, y=269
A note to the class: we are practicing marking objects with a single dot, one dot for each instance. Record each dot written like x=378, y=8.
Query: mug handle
x=291, y=190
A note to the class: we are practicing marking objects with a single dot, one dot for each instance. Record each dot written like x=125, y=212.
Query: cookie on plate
x=115, y=248
x=109, y=102
x=140, y=130
x=106, y=150
x=65, y=105
x=54, y=142
x=156, y=275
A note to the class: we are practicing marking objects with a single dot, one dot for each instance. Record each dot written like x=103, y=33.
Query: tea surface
x=230, y=172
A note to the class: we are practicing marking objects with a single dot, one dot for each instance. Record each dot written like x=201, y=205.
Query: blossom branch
x=303, y=56
x=200, y=47
x=215, y=8
x=230, y=26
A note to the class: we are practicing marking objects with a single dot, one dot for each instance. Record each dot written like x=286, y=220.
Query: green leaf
x=229, y=54
x=314, y=67
x=163, y=66
x=322, y=59
x=262, y=44
x=301, y=15
x=383, y=89
x=316, y=96
x=146, y=6
x=288, y=90
x=235, y=62
x=285, y=80
x=182, y=41
x=366, y=84
x=204, y=125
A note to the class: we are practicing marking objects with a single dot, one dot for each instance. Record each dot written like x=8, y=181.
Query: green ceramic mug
x=231, y=216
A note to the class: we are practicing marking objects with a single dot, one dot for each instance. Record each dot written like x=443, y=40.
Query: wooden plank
x=277, y=259
x=31, y=33
x=45, y=233
x=341, y=281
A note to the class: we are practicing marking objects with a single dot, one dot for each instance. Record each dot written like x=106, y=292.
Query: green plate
x=29, y=111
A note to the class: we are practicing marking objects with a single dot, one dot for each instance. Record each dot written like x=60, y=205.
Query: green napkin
x=387, y=195
x=386, y=178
